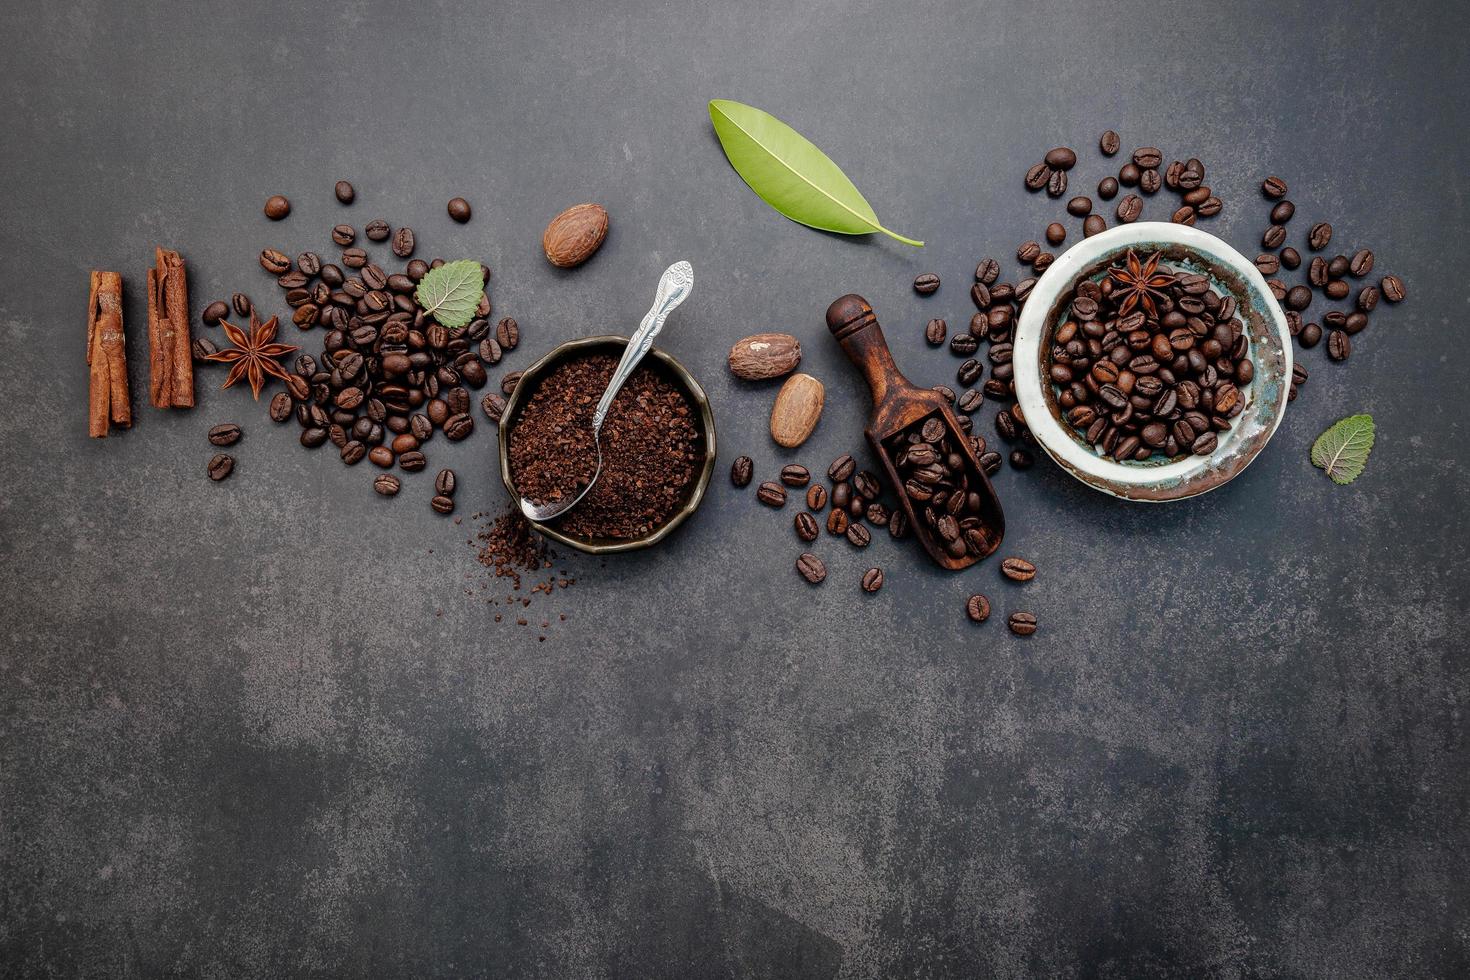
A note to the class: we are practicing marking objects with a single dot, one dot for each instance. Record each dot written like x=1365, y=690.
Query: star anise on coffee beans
x=1139, y=283
x=254, y=354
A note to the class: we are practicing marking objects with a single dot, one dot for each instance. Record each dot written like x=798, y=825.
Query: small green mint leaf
x=1342, y=451
x=451, y=292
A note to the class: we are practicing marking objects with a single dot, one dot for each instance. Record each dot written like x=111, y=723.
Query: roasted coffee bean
x=412, y=461
x=771, y=494
x=964, y=344
x=816, y=496
x=1149, y=180
x=1037, y=177
x=990, y=463
x=458, y=426
x=1022, y=459
x=344, y=192
x=1339, y=347
x=1109, y=143
x=806, y=526
x=1268, y=264
x=403, y=242
x=352, y=452
x=344, y=235
x=215, y=312
x=1298, y=298
x=1311, y=334
x=1320, y=236
x=280, y=407
x=987, y=271
x=220, y=466
x=387, y=484
x=1095, y=224
x=241, y=304
x=508, y=333
x=313, y=437
x=837, y=519
x=841, y=469
x=1273, y=187
x=459, y=209
x=354, y=258
x=1060, y=158
x=225, y=434
x=1337, y=267
x=1078, y=207
x=898, y=525
x=1290, y=258
x=509, y=382
x=442, y=504
x=1282, y=212
x=1355, y=322
x=445, y=482
x=1185, y=215
x=1026, y=252
x=1367, y=298
x=970, y=372
x=381, y=456
x=1128, y=174
x=1274, y=236
x=1107, y=188
x=1361, y=263
x=866, y=484
x=1147, y=156
x=970, y=401
x=740, y=470
x=926, y=283
x=273, y=261
x=1393, y=288
x=277, y=207
x=872, y=580
x=858, y=535
x=977, y=607
x=1056, y=184
x=1022, y=623
x=795, y=475
x=810, y=567
x=1018, y=569
x=1336, y=289
x=934, y=331
x=1129, y=209
x=1056, y=232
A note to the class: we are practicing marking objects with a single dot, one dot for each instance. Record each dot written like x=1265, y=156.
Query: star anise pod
x=254, y=354
x=1139, y=283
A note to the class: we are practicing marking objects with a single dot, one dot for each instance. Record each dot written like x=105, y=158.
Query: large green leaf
x=1343, y=449
x=791, y=174
x=451, y=292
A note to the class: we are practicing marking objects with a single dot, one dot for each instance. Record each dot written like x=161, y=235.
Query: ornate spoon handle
x=673, y=289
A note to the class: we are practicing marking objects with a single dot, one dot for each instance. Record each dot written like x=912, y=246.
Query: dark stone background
x=259, y=728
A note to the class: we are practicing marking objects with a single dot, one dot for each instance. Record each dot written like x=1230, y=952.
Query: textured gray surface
x=260, y=728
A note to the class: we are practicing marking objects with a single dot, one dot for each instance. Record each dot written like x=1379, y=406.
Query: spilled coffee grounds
x=649, y=445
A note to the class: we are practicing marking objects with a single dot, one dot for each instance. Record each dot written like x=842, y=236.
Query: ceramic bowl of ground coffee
x=658, y=444
x=1152, y=362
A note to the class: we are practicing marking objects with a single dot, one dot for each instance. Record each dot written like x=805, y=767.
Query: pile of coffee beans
x=650, y=442
x=1149, y=359
x=388, y=376
x=939, y=483
x=1329, y=276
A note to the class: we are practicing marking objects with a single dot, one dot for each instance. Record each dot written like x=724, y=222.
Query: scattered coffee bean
x=858, y=534
x=1056, y=184
x=816, y=496
x=1274, y=236
x=1037, y=177
x=838, y=518
x=345, y=192
x=926, y=283
x=1273, y=187
x=1290, y=258
x=1393, y=288
x=795, y=475
x=1361, y=263
x=1282, y=212
x=1336, y=289
x=1107, y=188
x=934, y=331
x=1320, y=236
x=987, y=271
x=445, y=482
x=811, y=568
x=1339, y=347
x=442, y=504
x=220, y=466
x=403, y=242
x=387, y=484
x=225, y=434
x=1056, y=232
x=1298, y=298
x=771, y=494
x=841, y=469
x=1061, y=158
x=1022, y=459
x=1094, y=224
x=459, y=209
x=1022, y=623
x=493, y=405
x=1268, y=264
x=1018, y=569
x=872, y=580
x=965, y=344
x=1129, y=209
x=1310, y=336
x=977, y=607
x=277, y=207
x=741, y=470
x=1109, y=143
x=806, y=526
x=1367, y=299
x=241, y=304
x=1149, y=180
x=508, y=333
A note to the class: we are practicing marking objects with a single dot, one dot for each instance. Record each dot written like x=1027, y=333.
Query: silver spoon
x=673, y=289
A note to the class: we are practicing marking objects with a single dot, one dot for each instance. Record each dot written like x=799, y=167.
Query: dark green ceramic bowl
x=674, y=372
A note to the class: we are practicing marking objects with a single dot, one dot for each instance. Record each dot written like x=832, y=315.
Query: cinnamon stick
x=171, y=377
x=107, y=357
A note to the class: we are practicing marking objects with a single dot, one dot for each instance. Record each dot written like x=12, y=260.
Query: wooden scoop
x=898, y=408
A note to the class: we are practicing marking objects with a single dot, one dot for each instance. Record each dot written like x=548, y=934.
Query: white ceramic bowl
x=1158, y=479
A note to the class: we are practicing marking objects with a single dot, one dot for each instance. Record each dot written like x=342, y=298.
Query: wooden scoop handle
x=852, y=322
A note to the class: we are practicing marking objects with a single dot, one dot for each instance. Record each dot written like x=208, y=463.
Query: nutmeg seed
x=797, y=410
x=764, y=355
x=574, y=235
